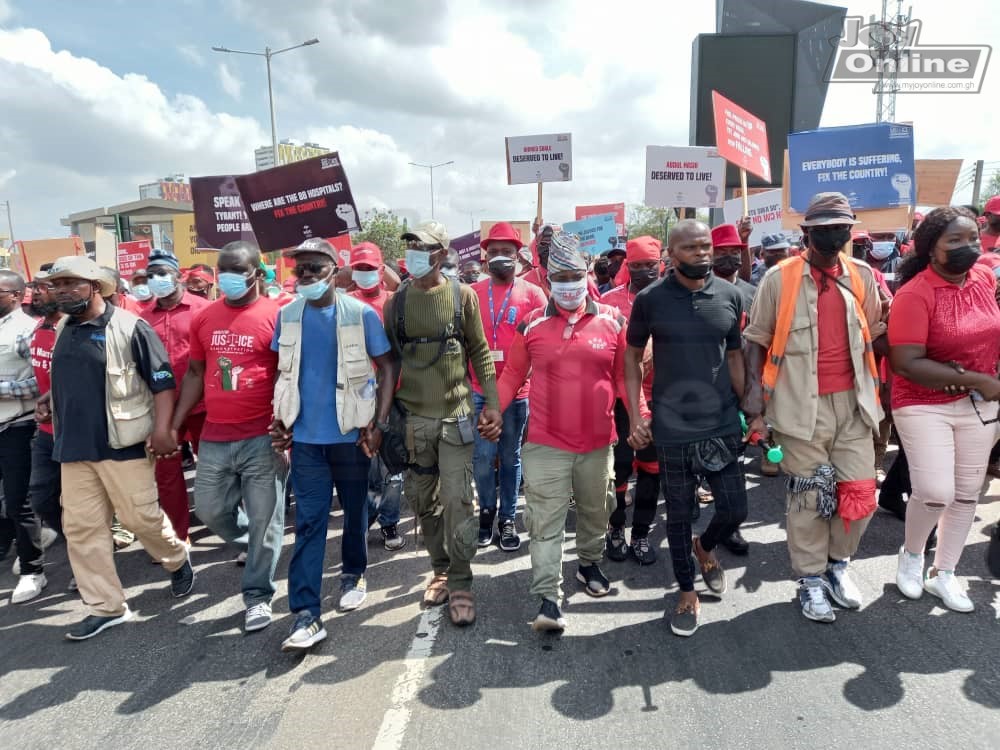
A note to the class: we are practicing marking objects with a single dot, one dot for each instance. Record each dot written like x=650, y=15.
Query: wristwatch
x=383, y=426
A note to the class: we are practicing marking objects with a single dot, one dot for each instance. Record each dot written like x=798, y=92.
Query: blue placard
x=598, y=234
x=871, y=164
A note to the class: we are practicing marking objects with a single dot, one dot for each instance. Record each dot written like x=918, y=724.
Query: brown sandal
x=436, y=592
x=462, y=608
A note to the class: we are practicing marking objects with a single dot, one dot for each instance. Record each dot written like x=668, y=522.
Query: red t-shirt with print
x=240, y=368
x=43, y=341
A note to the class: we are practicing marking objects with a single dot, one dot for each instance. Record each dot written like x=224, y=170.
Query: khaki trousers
x=95, y=491
x=842, y=440
x=551, y=476
x=439, y=489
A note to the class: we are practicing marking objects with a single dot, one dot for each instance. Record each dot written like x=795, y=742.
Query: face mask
x=613, y=267
x=234, y=286
x=727, y=265
x=162, y=286
x=449, y=272
x=141, y=292
x=78, y=306
x=418, y=263
x=569, y=294
x=315, y=290
x=502, y=267
x=694, y=270
x=365, y=279
x=828, y=241
x=43, y=309
x=643, y=277
x=961, y=259
x=882, y=250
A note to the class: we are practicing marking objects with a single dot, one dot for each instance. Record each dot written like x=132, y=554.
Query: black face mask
x=43, y=309
x=727, y=265
x=643, y=277
x=828, y=241
x=961, y=259
x=694, y=270
x=502, y=267
x=614, y=266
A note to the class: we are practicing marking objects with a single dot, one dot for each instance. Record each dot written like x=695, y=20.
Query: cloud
x=6, y=11
x=230, y=82
x=190, y=53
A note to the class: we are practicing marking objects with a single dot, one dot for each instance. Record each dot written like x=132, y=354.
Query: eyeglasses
x=7, y=291
x=986, y=422
x=418, y=245
x=311, y=268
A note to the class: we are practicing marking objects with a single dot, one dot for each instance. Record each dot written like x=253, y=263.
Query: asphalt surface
x=391, y=675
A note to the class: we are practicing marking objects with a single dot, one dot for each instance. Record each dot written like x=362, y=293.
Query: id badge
x=497, y=355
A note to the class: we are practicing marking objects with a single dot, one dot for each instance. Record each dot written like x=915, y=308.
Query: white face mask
x=569, y=294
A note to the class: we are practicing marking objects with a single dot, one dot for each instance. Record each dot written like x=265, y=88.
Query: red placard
x=132, y=256
x=741, y=137
x=618, y=209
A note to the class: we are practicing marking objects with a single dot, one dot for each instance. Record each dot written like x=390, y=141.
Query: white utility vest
x=12, y=367
x=355, y=370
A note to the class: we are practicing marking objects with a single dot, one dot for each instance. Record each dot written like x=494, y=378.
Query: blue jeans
x=247, y=470
x=509, y=450
x=391, y=489
x=315, y=470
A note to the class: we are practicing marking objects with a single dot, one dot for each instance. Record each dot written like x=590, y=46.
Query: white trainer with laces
x=841, y=587
x=910, y=574
x=812, y=598
x=945, y=587
x=28, y=587
x=258, y=617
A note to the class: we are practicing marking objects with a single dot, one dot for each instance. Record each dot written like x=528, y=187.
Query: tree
x=642, y=220
x=990, y=189
x=383, y=228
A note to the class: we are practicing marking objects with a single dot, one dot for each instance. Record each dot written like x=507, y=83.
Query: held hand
x=163, y=444
x=956, y=390
x=490, y=425
x=370, y=440
x=281, y=436
x=878, y=329
x=756, y=425
x=990, y=389
x=641, y=435
x=43, y=412
x=745, y=229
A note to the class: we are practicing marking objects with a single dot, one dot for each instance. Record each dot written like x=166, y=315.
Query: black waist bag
x=393, y=451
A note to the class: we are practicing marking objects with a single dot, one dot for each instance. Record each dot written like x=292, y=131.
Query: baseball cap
x=430, y=233
x=775, y=242
x=366, y=254
x=313, y=245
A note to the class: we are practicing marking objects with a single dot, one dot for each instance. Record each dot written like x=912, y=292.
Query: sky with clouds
x=100, y=97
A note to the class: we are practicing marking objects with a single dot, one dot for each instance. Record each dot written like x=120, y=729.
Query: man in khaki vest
x=111, y=403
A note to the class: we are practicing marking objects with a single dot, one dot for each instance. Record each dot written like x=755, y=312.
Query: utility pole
x=888, y=40
x=431, y=167
x=977, y=183
x=10, y=224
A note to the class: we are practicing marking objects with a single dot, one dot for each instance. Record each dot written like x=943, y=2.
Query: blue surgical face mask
x=450, y=272
x=234, y=286
x=162, y=286
x=365, y=279
x=313, y=291
x=141, y=292
x=418, y=262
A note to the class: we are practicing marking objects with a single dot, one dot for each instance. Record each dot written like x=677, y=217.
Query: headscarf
x=564, y=253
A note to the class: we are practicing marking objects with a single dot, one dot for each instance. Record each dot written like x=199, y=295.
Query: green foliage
x=989, y=189
x=383, y=228
x=642, y=220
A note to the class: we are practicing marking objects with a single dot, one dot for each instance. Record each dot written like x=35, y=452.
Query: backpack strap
x=442, y=340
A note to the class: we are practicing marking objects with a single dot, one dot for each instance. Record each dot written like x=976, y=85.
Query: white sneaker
x=16, y=567
x=48, y=537
x=841, y=586
x=28, y=587
x=353, y=594
x=258, y=617
x=944, y=586
x=910, y=574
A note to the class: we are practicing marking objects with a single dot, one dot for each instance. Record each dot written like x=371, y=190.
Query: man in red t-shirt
x=574, y=349
x=504, y=301
x=233, y=368
x=642, y=261
x=367, y=270
x=170, y=314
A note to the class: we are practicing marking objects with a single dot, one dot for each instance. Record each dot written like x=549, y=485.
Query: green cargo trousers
x=438, y=487
x=551, y=476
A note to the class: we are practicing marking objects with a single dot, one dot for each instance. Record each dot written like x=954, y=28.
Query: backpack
x=453, y=332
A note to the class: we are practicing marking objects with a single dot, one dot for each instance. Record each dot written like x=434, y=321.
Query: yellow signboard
x=186, y=243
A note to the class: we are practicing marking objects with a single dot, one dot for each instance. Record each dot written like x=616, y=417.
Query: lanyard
x=494, y=318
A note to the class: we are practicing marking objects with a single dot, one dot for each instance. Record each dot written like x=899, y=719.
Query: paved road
x=896, y=674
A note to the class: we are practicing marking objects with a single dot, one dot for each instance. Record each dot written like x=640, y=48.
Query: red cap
x=859, y=236
x=200, y=273
x=401, y=264
x=366, y=254
x=502, y=231
x=992, y=205
x=726, y=235
x=642, y=248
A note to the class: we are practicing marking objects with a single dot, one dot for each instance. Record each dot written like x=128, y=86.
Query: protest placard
x=132, y=256
x=467, y=246
x=539, y=158
x=936, y=180
x=27, y=256
x=598, y=234
x=871, y=164
x=289, y=204
x=741, y=138
x=684, y=176
x=219, y=217
x=618, y=209
x=764, y=210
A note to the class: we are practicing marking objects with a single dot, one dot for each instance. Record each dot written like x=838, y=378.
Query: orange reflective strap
x=791, y=280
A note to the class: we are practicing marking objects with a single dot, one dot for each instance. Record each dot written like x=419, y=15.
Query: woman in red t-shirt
x=944, y=332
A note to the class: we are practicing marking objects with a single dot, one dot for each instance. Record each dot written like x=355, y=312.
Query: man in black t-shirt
x=694, y=319
x=101, y=438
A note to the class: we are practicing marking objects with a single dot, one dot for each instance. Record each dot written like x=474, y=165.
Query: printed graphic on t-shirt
x=237, y=344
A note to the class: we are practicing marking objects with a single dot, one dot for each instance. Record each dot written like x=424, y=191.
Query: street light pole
x=10, y=224
x=267, y=54
x=431, y=167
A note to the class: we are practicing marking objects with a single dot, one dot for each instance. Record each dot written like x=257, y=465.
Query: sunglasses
x=418, y=245
x=310, y=268
x=986, y=422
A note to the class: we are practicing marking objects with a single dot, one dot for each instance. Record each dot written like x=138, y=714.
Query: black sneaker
x=684, y=621
x=641, y=551
x=91, y=625
x=509, y=540
x=614, y=543
x=391, y=538
x=736, y=544
x=486, y=519
x=892, y=503
x=993, y=551
x=594, y=581
x=182, y=580
x=549, y=618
